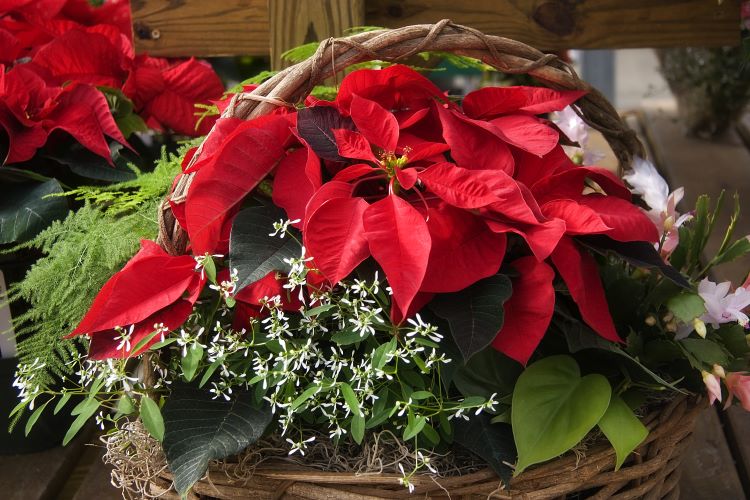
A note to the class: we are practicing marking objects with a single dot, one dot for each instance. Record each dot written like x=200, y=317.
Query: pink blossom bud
x=713, y=386
x=739, y=386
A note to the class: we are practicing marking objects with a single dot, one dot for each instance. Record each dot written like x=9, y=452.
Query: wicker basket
x=650, y=474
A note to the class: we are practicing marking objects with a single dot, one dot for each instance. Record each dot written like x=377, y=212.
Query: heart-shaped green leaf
x=554, y=408
x=622, y=428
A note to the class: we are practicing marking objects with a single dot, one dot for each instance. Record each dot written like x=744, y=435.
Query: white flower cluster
x=25, y=382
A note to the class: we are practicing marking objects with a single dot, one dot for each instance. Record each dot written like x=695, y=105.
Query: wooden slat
x=236, y=27
x=708, y=471
x=201, y=27
x=296, y=22
x=586, y=24
x=39, y=476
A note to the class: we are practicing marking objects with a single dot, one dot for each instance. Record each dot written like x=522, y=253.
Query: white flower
x=282, y=226
x=722, y=306
x=571, y=125
x=576, y=130
x=646, y=182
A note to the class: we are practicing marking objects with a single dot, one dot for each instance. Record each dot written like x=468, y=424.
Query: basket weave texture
x=651, y=474
x=652, y=471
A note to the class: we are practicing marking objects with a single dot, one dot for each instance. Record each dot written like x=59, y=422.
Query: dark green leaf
x=622, y=428
x=151, y=417
x=475, y=314
x=705, y=351
x=25, y=210
x=252, y=251
x=580, y=337
x=210, y=371
x=637, y=253
x=83, y=162
x=733, y=338
x=199, y=429
x=554, y=408
x=487, y=372
x=492, y=442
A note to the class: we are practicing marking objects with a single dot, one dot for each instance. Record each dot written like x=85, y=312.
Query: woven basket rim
x=650, y=470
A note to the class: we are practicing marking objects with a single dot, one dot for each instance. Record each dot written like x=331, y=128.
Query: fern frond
x=81, y=253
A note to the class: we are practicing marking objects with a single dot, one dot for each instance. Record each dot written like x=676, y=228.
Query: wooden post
x=296, y=22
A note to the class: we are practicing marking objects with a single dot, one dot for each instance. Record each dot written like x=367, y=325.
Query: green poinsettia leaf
x=199, y=428
x=474, y=314
x=554, y=408
x=83, y=162
x=492, y=442
x=622, y=428
x=26, y=209
x=252, y=251
x=487, y=372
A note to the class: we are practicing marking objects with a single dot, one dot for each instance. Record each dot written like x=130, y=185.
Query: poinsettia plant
x=396, y=260
x=72, y=92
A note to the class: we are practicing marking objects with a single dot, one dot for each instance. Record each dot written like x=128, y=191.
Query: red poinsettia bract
x=431, y=190
x=68, y=43
x=30, y=110
x=154, y=291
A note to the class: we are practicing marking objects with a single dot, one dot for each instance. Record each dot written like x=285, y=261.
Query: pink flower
x=713, y=386
x=738, y=385
x=722, y=306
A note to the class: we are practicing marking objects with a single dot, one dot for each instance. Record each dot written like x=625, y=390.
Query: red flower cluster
x=438, y=194
x=57, y=51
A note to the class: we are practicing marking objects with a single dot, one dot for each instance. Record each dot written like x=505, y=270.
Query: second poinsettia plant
x=397, y=260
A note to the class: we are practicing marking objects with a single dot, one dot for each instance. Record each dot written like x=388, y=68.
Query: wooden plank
x=201, y=28
x=708, y=469
x=95, y=477
x=737, y=424
x=241, y=27
x=585, y=24
x=296, y=22
x=39, y=476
